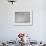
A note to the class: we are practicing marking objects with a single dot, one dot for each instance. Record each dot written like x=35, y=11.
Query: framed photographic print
x=23, y=18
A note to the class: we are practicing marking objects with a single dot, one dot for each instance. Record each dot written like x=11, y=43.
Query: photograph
x=23, y=18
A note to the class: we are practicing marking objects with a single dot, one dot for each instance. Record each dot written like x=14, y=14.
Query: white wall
x=7, y=11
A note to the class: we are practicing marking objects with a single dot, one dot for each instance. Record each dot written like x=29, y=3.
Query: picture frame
x=23, y=18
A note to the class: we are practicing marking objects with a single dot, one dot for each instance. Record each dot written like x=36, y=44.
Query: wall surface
x=8, y=31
